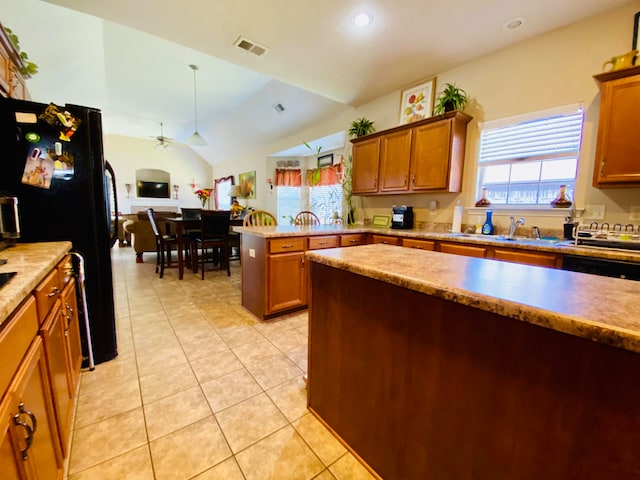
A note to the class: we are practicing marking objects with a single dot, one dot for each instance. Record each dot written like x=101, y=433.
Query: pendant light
x=195, y=138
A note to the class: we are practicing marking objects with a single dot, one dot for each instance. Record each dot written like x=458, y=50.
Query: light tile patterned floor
x=200, y=389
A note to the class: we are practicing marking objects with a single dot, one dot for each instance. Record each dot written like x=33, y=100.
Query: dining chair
x=164, y=244
x=214, y=235
x=306, y=217
x=259, y=218
x=190, y=233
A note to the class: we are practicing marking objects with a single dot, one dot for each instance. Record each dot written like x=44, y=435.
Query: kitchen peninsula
x=444, y=366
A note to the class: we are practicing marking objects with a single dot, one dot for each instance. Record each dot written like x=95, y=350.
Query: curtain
x=288, y=177
x=331, y=175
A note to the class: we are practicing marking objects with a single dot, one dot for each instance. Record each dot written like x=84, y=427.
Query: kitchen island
x=443, y=366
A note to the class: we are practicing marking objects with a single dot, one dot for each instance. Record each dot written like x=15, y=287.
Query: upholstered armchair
x=140, y=229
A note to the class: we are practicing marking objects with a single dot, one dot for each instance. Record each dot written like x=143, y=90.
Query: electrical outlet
x=634, y=213
x=594, y=212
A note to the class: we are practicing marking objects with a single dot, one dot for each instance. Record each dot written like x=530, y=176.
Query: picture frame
x=636, y=32
x=381, y=221
x=325, y=160
x=247, y=182
x=416, y=101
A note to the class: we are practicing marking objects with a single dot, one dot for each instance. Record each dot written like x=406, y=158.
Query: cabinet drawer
x=330, y=241
x=282, y=245
x=386, y=239
x=529, y=258
x=466, y=250
x=65, y=270
x=47, y=293
x=15, y=338
x=419, y=244
x=353, y=239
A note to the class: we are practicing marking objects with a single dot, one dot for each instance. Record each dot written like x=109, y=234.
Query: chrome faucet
x=514, y=225
x=536, y=233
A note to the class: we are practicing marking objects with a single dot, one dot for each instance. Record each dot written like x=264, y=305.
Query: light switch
x=594, y=212
x=252, y=252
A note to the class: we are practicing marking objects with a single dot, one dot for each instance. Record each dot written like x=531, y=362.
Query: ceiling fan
x=161, y=140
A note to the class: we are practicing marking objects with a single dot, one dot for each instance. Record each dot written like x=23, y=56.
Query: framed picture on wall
x=247, y=183
x=416, y=102
x=325, y=160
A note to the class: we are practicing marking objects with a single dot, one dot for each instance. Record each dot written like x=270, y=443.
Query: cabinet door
x=465, y=250
x=11, y=463
x=366, y=157
x=353, y=239
x=286, y=281
x=419, y=244
x=72, y=335
x=395, y=152
x=386, y=239
x=430, y=155
x=31, y=402
x=53, y=333
x=618, y=148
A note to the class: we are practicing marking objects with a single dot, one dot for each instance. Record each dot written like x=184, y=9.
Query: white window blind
x=325, y=200
x=288, y=203
x=525, y=162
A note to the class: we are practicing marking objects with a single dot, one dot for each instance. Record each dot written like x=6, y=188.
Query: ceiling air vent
x=250, y=46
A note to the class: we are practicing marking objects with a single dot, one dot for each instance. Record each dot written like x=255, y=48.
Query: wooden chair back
x=259, y=218
x=306, y=217
x=191, y=213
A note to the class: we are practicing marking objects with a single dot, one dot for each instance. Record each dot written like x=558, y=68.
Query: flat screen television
x=153, y=189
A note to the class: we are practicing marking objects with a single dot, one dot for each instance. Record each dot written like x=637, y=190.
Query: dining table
x=182, y=224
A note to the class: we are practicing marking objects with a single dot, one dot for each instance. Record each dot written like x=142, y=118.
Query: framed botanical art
x=247, y=182
x=416, y=102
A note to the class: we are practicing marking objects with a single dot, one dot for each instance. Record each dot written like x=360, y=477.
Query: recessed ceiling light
x=513, y=23
x=362, y=20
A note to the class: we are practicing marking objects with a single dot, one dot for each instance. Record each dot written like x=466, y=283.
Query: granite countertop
x=597, y=308
x=563, y=247
x=33, y=262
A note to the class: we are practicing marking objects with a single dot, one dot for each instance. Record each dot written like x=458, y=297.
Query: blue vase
x=487, y=228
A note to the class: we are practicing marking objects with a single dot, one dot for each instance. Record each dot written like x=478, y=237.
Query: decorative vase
x=484, y=201
x=562, y=200
x=203, y=201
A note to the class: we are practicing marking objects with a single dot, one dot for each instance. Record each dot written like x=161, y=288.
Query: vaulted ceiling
x=131, y=58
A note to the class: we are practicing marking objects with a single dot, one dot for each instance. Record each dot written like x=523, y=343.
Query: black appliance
x=402, y=217
x=601, y=266
x=52, y=161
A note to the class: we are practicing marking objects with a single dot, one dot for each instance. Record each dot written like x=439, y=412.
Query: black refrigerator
x=52, y=160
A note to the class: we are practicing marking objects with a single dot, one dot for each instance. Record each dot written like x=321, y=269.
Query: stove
x=626, y=237
x=5, y=277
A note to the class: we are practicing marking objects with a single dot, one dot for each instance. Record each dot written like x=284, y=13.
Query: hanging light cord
x=195, y=96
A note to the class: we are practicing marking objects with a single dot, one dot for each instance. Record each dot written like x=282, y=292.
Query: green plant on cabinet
x=450, y=98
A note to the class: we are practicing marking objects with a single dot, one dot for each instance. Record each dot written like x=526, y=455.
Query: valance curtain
x=331, y=175
x=288, y=177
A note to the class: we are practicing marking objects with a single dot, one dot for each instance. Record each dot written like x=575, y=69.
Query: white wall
x=550, y=70
x=127, y=154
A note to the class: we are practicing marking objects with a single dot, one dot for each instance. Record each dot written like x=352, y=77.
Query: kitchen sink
x=527, y=240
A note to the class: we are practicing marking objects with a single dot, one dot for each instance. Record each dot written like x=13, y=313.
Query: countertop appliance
x=626, y=237
x=52, y=161
x=402, y=217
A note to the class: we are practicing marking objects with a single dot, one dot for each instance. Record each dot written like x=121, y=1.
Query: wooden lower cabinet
x=467, y=250
x=353, y=239
x=325, y=241
x=386, y=239
x=72, y=335
x=286, y=282
x=30, y=447
x=542, y=259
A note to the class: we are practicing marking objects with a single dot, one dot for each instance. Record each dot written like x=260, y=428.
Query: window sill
x=537, y=210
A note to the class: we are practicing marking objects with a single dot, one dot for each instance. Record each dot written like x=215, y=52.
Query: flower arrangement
x=203, y=194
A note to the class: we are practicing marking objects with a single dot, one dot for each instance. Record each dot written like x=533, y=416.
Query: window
x=325, y=200
x=524, y=160
x=288, y=203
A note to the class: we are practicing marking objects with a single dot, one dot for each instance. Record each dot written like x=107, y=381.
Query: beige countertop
x=32, y=261
x=597, y=308
x=563, y=247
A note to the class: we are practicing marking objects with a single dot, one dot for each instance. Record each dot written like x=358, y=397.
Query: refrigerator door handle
x=112, y=178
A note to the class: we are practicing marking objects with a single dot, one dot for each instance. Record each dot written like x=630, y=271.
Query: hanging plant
x=28, y=68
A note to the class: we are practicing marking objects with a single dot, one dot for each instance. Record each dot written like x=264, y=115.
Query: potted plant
x=361, y=126
x=27, y=68
x=450, y=98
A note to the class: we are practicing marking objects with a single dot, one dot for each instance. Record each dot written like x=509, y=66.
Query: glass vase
x=562, y=200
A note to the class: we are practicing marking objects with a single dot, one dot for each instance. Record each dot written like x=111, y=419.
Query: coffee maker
x=402, y=217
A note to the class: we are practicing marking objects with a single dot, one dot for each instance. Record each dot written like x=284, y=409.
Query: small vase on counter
x=484, y=201
x=562, y=200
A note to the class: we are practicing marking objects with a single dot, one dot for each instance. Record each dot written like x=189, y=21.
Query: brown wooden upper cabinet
x=418, y=157
x=618, y=148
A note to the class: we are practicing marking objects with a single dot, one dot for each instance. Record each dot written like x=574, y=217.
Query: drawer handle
x=353, y=240
x=68, y=307
x=28, y=439
x=322, y=243
x=54, y=291
x=288, y=245
x=30, y=414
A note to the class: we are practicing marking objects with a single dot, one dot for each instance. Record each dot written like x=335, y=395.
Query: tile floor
x=200, y=389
